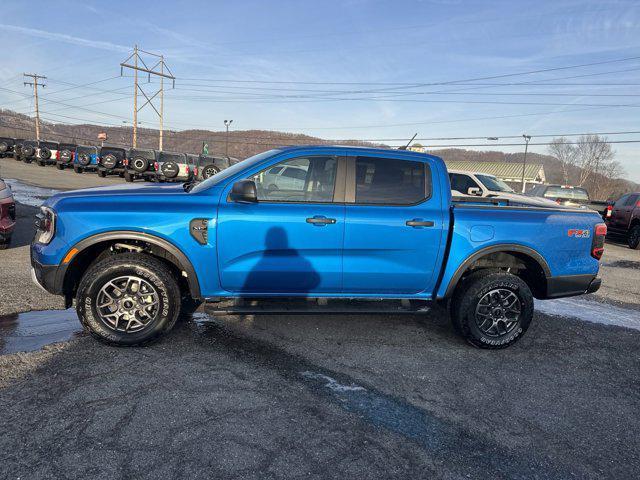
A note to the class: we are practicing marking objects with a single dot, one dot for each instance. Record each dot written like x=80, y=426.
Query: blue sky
x=364, y=69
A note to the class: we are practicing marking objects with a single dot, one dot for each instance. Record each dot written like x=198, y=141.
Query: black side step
x=315, y=306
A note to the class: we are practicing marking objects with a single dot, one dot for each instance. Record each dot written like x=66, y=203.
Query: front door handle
x=419, y=223
x=320, y=221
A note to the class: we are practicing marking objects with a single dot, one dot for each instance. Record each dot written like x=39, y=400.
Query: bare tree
x=566, y=153
x=593, y=154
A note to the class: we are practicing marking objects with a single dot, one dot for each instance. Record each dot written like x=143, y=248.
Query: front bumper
x=47, y=277
x=572, y=285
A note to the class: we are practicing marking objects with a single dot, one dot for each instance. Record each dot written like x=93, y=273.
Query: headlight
x=46, y=225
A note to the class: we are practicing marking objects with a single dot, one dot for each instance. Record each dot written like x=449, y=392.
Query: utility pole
x=527, y=138
x=227, y=123
x=158, y=69
x=35, y=86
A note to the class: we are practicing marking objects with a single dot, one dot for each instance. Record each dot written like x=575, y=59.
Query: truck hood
x=118, y=190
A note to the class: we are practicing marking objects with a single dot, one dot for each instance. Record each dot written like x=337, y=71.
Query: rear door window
x=390, y=181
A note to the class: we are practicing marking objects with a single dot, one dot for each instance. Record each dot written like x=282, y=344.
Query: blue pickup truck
x=314, y=222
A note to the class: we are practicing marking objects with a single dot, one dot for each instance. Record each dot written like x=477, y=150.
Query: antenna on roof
x=407, y=145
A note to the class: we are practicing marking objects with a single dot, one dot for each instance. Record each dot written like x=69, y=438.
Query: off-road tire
x=4, y=245
x=41, y=163
x=77, y=169
x=469, y=293
x=102, y=173
x=151, y=270
x=139, y=164
x=59, y=166
x=128, y=177
x=209, y=171
x=633, y=240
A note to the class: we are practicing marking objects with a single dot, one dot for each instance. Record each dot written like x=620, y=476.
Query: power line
x=238, y=138
x=408, y=85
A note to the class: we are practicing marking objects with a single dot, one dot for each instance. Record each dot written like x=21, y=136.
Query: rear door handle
x=320, y=221
x=419, y=223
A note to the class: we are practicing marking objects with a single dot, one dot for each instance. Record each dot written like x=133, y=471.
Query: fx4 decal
x=578, y=233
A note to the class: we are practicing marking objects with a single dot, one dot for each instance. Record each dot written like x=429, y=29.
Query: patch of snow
x=332, y=383
x=590, y=311
x=29, y=194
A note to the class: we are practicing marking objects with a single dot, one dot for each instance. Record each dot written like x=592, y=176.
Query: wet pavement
x=29, y=194
x=26, y=332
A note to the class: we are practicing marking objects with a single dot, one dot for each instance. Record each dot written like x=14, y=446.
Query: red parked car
x=7, y=215
x=625, y=219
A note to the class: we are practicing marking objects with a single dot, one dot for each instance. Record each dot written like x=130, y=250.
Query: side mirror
x=244, y=191
x=474, y=191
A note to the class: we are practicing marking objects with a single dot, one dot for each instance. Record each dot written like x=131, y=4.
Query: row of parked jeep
x=132, y=163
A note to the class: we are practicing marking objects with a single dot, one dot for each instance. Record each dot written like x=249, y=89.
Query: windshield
x=229, y=172
x=567, y=193
x=49, y=145
x=494, y=184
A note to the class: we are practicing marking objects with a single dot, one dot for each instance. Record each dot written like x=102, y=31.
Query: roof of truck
x=407, y=153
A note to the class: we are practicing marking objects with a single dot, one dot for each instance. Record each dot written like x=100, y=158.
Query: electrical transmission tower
x=35, y=86
x=158, y=69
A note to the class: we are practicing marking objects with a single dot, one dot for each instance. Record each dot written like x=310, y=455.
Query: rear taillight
x=155, y=166
x=125, y=162
x=638, y=204
x=195, y=171
x=609, y=210
x=597, y=244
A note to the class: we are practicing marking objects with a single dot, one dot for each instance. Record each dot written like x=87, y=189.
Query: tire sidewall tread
x=466, y=297
x=139, y=264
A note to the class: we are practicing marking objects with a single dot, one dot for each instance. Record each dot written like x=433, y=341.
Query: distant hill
x=244, y=143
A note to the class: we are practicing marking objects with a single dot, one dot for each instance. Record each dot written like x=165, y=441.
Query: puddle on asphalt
x=26, y=332
x=590, y=311
x=29, y=194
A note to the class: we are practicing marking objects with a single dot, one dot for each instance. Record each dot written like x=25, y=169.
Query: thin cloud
x=62, y=37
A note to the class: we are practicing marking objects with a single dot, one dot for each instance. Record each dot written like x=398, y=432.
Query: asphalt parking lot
x=357, y=396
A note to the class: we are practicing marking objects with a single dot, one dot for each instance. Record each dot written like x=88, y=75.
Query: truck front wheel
x=492, y=309
x=128, y=299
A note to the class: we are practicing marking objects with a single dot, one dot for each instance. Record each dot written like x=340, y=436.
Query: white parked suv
x=486, y=185
x=46, y=153
x=173, y=167
x=285, y=177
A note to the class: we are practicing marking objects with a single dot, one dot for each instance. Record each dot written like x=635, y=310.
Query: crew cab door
x=290, y=241
x=393, y=226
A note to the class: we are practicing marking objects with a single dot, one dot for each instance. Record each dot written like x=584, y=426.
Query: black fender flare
x=184, y=263
x=504, y=247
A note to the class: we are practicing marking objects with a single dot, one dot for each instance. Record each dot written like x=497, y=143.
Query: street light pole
x=227, y=123
x=527, y=138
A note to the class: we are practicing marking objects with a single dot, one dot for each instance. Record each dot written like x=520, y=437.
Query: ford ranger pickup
x=364, y=224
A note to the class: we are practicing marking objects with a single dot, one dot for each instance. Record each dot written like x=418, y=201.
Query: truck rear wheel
x=492, y=309
x=634, y=237
x=128, y=299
